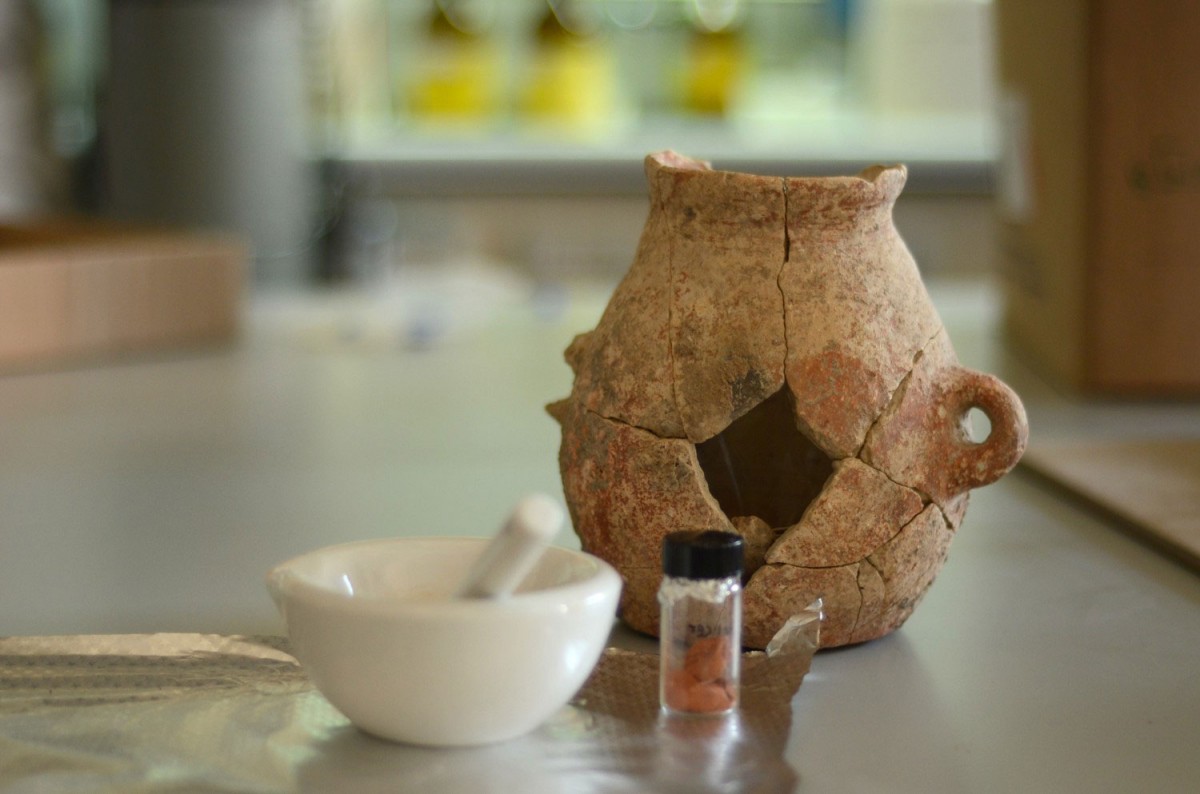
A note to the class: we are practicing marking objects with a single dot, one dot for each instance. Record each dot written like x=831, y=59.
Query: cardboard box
x=1099, y=191
x=79, y=290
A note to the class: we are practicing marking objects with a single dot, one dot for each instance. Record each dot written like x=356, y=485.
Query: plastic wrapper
x=185, y=712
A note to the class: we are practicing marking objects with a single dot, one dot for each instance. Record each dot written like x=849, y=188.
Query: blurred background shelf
x=342, y=137
x=952, y=156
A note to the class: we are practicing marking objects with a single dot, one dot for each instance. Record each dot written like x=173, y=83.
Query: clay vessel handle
x=975, y=464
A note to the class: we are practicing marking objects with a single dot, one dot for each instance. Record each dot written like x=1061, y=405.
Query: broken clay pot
x=772, y=365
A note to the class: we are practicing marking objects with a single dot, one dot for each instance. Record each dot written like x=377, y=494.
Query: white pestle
x=514, y=550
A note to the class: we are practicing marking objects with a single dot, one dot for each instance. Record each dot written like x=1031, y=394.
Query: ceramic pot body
x=772, y=365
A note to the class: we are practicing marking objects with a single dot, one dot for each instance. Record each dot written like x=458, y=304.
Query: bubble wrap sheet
x=204, y=713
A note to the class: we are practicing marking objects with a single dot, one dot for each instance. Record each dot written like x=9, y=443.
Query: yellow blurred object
x=457, y=75
x=716, y=62
x=572, y=78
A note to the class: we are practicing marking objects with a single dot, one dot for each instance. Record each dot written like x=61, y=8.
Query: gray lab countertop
x=1053, y=653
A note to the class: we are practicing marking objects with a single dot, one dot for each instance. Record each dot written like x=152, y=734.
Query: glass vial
x=701, y=631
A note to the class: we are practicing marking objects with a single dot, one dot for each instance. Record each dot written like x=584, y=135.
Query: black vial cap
x=706, y=554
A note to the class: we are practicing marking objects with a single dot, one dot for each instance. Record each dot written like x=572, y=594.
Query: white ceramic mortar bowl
x=375, y=628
